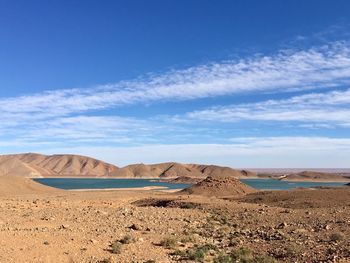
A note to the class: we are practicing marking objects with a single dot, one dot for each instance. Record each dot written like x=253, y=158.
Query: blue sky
x=237, y=83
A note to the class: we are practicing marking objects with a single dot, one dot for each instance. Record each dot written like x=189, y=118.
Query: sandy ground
x=67, y=226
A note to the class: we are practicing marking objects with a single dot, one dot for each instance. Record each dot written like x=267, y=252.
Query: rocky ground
x=146, y=226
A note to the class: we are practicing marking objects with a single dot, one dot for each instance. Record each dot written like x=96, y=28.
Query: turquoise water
x=83, y=183
x=269, y=184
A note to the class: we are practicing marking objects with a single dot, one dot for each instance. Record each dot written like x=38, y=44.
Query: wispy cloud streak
x=77, y=114
x=326, y=66
x=321, y=152
x=326, y=107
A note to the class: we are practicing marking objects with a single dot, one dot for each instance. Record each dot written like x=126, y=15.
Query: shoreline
x=146, y=188
x=315, y=181
x=171, y=178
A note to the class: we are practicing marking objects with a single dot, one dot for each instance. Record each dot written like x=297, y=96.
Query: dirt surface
x=322, y=197
x=219, y=186
x=183, y=180
x=151, y=226
x=13, y=186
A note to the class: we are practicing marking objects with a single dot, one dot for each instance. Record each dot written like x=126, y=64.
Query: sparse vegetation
x=223, y=258
x=243, y=255
x=116, y=247
x=127, y=239
x=196, y=254
x=233, y=242
x=180, y=253
x=169, y=242
x=188, y=238
x=208, y=246
x=336, y=237
x=187, y=206
x=264, y=259
x=293, y=250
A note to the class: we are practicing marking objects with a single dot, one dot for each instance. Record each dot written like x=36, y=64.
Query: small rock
x=282, y=225
x=135, y=227
x=64, y=226
x=93, y=241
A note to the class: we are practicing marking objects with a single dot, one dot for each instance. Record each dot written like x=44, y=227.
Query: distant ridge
x=314, y=176
x=37, y=165
x=64, y=165
x=173, y=170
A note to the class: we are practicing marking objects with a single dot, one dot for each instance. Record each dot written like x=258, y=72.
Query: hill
x=162, y=170
x=66, y=165
x=174, y=170
x=219, y=186
x=314, y=176
x=15, y=185
x=37, y=165
x=183, y=180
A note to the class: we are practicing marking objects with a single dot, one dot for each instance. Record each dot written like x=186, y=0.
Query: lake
x=270, y=184
x=97, y=183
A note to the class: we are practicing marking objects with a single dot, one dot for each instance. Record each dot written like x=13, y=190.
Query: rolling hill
x=65, y=165
x=314, y=176
x=14, y=185
x=37, y=165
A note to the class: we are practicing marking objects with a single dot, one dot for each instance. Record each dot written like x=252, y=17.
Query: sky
x=245, y=84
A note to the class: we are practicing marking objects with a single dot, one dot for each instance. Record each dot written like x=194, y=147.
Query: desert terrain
x=33, y=165
x=218, y=220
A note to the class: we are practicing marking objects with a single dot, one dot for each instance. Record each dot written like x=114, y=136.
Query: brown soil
x=303, y=198
x=184, y=180
x=219, y=186
x=12, y=186
x=45, y=225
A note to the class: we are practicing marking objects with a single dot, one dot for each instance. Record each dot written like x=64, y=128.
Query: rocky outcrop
x=219, y=186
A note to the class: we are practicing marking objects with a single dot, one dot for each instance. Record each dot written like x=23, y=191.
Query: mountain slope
x=314, y=176
x=13, y=166
x=38, y=165
x=173, y=170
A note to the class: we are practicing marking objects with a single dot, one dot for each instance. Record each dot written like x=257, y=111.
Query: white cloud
x=79, y=129
x=316, y=107
x=326, y=66
x=264, y=152
x=52, y=116
x=313, y=111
